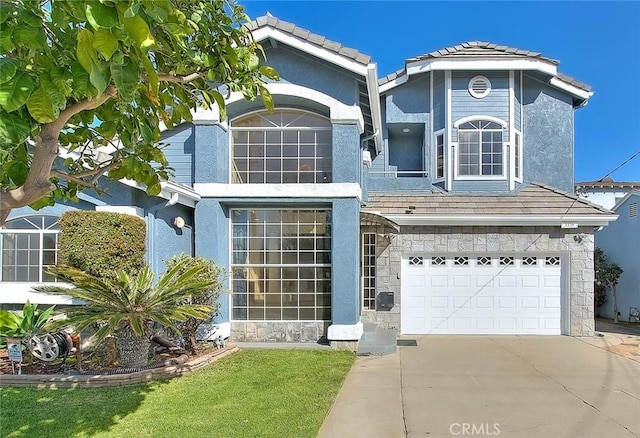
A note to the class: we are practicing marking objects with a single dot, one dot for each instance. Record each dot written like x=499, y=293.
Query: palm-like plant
x=127, y=305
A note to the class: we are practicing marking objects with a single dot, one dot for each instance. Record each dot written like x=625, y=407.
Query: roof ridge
x=310, y=37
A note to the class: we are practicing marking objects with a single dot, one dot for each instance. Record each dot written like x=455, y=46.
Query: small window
x=439, y=156
x=552, y=261
x=517, y=153
x=438, y=261
x=415, y=261
x=529, y=261
x=506, y=261
x=369, y=271
x=483, y=261
x=461, y=261
x=479, y=87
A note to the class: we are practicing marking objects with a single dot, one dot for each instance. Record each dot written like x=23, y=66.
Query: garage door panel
x=481, y=295
x=507, y=281
x=530, y=281
x=462, y=281
x=484, y=302
x=530, y=302
x=439, y=281
x=461, y=302
x=507, y=302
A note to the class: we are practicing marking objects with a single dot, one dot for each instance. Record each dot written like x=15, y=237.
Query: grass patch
x=253, y=393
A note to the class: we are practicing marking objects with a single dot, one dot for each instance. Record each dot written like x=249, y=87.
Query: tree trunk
x=615, y=304
x=133, y=349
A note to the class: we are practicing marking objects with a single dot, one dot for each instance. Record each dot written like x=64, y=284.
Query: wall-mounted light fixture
x=178, y=222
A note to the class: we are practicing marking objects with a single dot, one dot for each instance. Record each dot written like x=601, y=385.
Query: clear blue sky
x=595, y=42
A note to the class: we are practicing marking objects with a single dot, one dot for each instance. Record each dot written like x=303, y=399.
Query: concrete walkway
x=502, y=385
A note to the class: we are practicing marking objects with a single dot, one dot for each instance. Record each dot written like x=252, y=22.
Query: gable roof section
x=312, y=38
x=270, y=27
x=534, y=204
x=481, y=55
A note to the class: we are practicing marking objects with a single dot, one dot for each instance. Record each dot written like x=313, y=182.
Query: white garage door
x=481, y=295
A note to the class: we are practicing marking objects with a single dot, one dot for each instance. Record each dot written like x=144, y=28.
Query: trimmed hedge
x=98, y=242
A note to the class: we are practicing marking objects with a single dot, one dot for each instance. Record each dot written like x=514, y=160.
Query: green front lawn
x=253, y=393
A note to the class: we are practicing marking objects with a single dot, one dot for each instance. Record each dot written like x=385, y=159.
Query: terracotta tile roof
x=304, y=34
x=533, y=199
x=485, y=50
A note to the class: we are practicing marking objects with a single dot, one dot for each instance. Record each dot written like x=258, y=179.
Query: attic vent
x=479, y=87
x=633, y=209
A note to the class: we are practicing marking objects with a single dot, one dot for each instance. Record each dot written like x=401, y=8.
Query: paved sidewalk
x=369, y=403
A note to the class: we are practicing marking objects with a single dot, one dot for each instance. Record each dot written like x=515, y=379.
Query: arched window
x=29, y=246
x=480, y=148
x=285, y=146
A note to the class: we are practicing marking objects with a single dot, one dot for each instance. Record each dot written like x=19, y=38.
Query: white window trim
x=449, y=146
x=512, y=99
x=479, y=95
x=501, y=177
x=435, y=155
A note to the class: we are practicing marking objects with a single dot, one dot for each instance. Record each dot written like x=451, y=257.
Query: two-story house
x=434, y=200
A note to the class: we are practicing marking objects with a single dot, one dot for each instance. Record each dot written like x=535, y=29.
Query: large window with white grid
x=281, y=264
x=29, y=246
x=285, y=146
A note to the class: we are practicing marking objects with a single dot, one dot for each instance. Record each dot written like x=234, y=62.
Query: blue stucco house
x=434, y=200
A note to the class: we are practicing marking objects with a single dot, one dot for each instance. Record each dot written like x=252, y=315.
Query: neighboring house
x=605, y=192
x=432, y=201
x=620, y=240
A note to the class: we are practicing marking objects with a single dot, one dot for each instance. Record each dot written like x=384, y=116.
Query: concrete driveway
x=490, y=386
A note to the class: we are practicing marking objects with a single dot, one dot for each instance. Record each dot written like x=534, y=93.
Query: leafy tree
x=608, y=274
x=127, y=305
x=209, y=272
x=101, y=76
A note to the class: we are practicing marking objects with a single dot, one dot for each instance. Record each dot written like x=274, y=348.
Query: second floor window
x=480, y=149
x=285, y=146
x=439, y=156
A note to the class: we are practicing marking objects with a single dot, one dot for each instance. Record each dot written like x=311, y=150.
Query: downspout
x=151, y=229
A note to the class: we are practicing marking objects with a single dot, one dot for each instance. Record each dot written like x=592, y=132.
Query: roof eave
x=266, y=32
x=374, y=102
x=565, y=221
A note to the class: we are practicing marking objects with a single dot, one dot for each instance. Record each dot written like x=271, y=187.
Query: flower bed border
x=174, y=368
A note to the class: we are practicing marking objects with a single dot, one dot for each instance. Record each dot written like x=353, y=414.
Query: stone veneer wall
x=495, y=240
x=278, y=331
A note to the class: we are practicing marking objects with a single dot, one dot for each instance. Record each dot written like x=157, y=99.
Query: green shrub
x=208, y=272
x=99, y=242
x=23, y=325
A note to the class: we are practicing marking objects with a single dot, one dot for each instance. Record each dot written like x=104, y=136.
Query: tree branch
x=167, y=77
x=83, y=105
x=96, y=173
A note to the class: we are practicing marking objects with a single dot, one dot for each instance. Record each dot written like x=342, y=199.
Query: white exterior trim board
x=319, y=191
x=269, y=32
x=480, y=64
